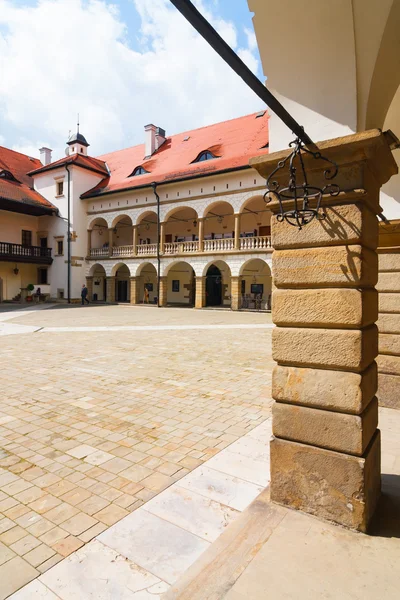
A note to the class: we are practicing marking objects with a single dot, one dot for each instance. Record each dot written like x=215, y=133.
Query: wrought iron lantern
x=16, y=270
x=304, y=200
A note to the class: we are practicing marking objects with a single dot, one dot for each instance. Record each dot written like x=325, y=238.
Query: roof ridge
x=20, y=153
x=183, y=132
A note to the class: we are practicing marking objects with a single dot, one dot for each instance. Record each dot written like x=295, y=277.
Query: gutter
x=69, y=237
x=154, y=186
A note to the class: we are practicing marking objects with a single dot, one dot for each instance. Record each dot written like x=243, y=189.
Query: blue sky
x=120, y=64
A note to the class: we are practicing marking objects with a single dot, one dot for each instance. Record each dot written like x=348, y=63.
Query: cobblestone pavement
x=94, y=424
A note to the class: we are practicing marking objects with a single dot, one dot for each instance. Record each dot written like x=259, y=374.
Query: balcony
x=215, y=246
x=25, y=254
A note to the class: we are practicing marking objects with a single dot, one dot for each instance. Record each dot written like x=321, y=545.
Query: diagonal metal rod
x=204, y=28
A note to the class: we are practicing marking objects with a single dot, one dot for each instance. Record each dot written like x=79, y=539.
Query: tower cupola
x=77, y=143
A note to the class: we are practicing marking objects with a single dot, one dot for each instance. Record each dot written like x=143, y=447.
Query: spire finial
x=78, y=122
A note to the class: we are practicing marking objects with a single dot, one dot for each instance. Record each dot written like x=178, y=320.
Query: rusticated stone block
x=337, y=307
x=389, y=391
x=388, y=364
x=389, y=343
x=389, y=303
x=334, y=486
x=389, y=323
x=327, y=429
x=352, y=350
x=344, y=224
x=330, y=390
x=336, y=266
x=389, y=261
x=388, y=282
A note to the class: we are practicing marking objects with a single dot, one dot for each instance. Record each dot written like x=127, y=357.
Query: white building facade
x=212, y=246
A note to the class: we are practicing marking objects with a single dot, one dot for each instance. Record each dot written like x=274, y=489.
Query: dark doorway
x=213, y=286
x=122, y=291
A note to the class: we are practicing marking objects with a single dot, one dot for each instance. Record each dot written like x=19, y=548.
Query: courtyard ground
x=104, y=407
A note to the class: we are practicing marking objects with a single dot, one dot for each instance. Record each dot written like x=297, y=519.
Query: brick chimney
x=45, y=155
x=154, y=138
x=149, y=140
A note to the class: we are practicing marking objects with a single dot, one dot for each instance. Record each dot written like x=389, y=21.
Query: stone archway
x=146, y=282
x=217, y=276
x=255, y=285
x=97, y=283
x=180, y=281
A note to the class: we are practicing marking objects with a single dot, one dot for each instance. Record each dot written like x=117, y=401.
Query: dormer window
x=8, y=175
x=205, y=155
x=138, y=171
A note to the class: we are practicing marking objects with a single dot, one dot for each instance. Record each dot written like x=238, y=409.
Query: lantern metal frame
x=306, y=198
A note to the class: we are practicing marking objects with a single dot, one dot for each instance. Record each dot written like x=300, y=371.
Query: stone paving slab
x=149, y=550
x=93, y=425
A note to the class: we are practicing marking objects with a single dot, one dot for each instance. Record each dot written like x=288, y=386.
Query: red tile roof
x=21, y=190
x=86, y=162
x=234, y=142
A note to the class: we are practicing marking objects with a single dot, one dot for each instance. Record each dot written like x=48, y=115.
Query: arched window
x=205, y=155
x=138, y=171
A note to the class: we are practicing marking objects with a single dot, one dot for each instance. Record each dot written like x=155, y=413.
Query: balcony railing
x=261, y=242
x=123, y=250
x=220, y=245
x=27, y=254
x=146, y=249
x=181, y=247
x=99, y=252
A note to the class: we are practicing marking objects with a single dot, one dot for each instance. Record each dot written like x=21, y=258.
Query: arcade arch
x=146, y=278
x=98, y=288
x=181, y=286
x=255, y=285
x=218, y=284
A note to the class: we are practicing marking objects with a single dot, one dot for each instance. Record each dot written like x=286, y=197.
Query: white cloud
x=61, y=57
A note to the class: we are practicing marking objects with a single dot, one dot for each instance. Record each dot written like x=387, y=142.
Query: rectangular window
x=175, y=285
x=26, y=238
x=60, y=188
x=60, y=247
x=42, y=275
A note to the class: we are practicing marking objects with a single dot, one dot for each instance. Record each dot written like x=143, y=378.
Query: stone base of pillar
x=236, y=287
x=338, y=487
x=200, y=298
x=110, y=289
x=389, y=318
x=163, y=291
x=89, y=285
x=134, y=291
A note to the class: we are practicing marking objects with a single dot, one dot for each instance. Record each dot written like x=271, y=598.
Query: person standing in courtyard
x=84, y=294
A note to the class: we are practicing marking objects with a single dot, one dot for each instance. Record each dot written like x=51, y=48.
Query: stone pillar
x=134, y=295
x=134, y=239
x=163, y=291
x=236, y=293
x=325, y=454
x=89, y=242
x=110, y=282
x=201, y=235
x=389, y=315
x=89, y=285
x=237, y=231
x=200, y=300
x=110, y=241
x=162, y=237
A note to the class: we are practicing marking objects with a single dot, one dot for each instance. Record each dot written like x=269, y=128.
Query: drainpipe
x=154, y=186
x=69, y=238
